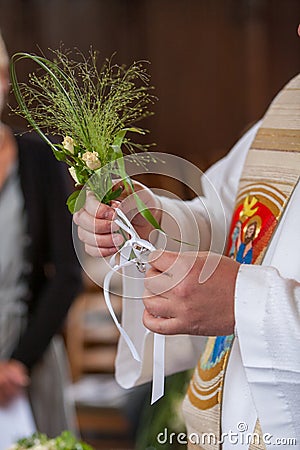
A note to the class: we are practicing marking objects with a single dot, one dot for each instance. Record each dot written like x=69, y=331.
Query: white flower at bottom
x=68, y=144
x=41, y=447
x=91, y=160
x=73, y=174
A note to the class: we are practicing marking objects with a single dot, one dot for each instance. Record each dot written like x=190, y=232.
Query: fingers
x=95, y=216
x=177, y=266
x=97, y=252
x=97, y=209
x=160, y=316
x=162, y=261
x=158, y=283
x=161, y=325
x=100, y=240
x=100, y=245
x=93, y=224
x=96, y=228
x=96, y=224
x=157, y=305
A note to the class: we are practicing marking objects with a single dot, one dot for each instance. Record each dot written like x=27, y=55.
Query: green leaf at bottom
x=76, y=200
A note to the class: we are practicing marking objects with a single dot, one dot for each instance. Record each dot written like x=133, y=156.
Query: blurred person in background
x=39, y=273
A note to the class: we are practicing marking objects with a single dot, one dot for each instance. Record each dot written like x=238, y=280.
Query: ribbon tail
x=158, y=383
x=138, y=246
x=123, y=333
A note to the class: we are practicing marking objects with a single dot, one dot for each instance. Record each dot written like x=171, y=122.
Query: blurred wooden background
x=216, y=64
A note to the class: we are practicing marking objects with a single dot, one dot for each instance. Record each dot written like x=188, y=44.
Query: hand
x=13, y=379
x=95, y=221
x=177, y=303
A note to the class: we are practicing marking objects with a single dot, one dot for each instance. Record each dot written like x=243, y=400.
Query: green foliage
x=36, y=438
x=76, y=200
x=92, y=109
x=66, y=441
x=96, y=107
x=144, y=211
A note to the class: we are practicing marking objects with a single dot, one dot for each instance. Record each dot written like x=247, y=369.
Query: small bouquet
x=38, y=441
x=94, y=111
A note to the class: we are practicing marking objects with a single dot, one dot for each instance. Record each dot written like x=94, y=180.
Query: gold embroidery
x=277, y=139
x=205, y=389
x=209, y=374
x=262, y=188
x=249, y=203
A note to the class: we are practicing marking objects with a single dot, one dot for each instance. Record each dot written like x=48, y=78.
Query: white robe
x=263, y=376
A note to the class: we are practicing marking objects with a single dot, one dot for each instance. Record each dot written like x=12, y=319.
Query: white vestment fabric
x=263, y=376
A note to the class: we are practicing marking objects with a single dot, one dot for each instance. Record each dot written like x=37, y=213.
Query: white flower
x=73, y=175
x=91, y=160
x=68, y=144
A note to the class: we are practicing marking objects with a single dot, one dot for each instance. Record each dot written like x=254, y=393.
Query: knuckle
x=185, y=268
x=160, y=329
x=149, y=274
x=80, y=233
x=150, y=308
x=146, y=320
x=182, y=289
x=98, y=240
x=104, y=212
x=188, y=310
x=105, y=252
x=102, y=226
x=88, y=249
x=92, y=251
x=195, y=328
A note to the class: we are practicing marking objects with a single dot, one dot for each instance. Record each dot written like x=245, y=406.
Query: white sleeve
x=187, y=222
x=267, y=313
x=205, y=220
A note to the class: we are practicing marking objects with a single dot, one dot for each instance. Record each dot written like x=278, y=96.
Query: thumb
x=162, y=260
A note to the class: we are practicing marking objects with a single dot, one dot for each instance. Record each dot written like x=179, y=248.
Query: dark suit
x=53, y=270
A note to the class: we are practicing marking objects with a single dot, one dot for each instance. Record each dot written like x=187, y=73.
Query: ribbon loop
x=140, y=248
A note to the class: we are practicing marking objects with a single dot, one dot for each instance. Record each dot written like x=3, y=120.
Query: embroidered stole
x=269, y=177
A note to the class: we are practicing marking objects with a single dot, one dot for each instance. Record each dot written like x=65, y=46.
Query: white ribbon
x=140, y=248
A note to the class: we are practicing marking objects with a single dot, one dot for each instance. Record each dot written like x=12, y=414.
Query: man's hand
x=177, y=303
x=95, y=221
x=13, y=379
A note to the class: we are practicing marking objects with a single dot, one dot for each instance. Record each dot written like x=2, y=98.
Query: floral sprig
x=93, y=110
